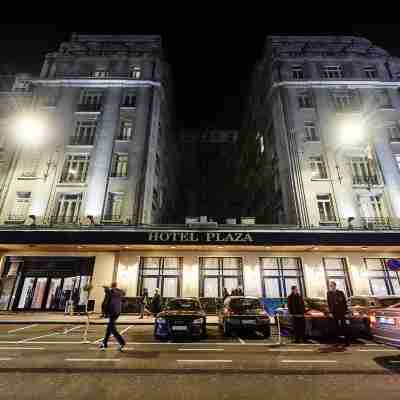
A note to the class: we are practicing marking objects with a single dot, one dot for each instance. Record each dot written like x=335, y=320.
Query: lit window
x=297, y=72
x=126, y=130
x=120, y=166
x=305, y=100
x=318, y=168
x=75, y=168
x=398, y=160
x=100, y=73
x=345, y=102
x=333, y=72
x=21, y=207
x=136, y=72
x=67, y=208
x=114, y=207
x=370, y=72
x=30, y=164
x=85, y=132
x=325, y=208
x=129, y=99
x=311, y=133
x=364, y=172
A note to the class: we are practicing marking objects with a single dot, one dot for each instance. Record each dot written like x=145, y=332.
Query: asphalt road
x=54, y=361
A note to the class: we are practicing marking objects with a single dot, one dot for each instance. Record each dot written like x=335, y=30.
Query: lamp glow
x=30, y=129
x=351, y=132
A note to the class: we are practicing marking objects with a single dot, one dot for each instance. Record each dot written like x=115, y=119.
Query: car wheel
x=266, y=332
x=227, y=329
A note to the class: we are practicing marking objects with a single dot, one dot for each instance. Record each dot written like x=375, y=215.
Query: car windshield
x=388, y=302
x=183, y=304
x=316, y=304
x=245, y=304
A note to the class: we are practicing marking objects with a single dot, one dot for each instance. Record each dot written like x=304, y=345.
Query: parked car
x=243, y=313
x=319, y=324
x=385, y=327
x=364, y=308
x=181, y=317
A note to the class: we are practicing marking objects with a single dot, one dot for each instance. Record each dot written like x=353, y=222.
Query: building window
x=164, y=273
x=21, y=207
x=30, y=164
x=345, y=102
x=119, y=166
x=318, y=168
x=325, y=208
x=217, y=273
x=100, y=73
x=333, y=72
x=75, y=168
x=336, y=270
x=21, y=85
x=114, y=207
x=158, y=165
x=363, y=172
x=297, y=72
x=156, y=199
x=125, y=132
x=91, y=97
x=129, y=100
x=393, y=132
x=373, y=210
x=311, y=132
x=85, y=132
x=382, y=281
x=260, y=140
x=305, y=100
x=383, y=99
x=68, y=208
x=279, y=274
x=370, y=72
x=135, y=72
x=397, y=157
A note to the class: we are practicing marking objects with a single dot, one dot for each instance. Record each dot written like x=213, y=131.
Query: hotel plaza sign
x=199, y=237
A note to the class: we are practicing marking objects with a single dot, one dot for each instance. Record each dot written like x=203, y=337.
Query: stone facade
x=108, y=149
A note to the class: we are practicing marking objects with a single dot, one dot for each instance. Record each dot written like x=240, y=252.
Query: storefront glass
x=336, y=270
x=382, y=281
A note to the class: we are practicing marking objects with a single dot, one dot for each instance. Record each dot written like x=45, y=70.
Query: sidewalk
x=61, y=318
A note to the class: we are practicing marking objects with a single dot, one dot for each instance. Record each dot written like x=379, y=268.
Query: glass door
x=25, y=298
x=55, y=294
x=38, y=294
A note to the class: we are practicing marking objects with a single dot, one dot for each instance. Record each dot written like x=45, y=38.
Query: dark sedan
x=246, y=313
x=386, y=326
x=181, y=317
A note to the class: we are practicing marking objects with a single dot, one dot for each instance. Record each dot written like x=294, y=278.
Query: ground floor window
x=217, y=273
x=382, y=281
x=336, y=270
x=164, y=273
x=279, y=274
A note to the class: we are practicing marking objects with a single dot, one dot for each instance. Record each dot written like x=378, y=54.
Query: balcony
x=80, y=141
x=365, y=180
x=89, y=108
x=378, y=223
x=64, y=220
x=112, y=219
x=120, y=76
x=15, y=219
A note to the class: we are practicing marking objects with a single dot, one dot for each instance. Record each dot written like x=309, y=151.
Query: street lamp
x=30, y=129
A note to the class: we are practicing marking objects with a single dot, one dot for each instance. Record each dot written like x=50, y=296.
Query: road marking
x=22, y=348
x=204, y=361
x=92, y=359
x=200, y=349
x=314, y=341
x=126, y=329
x=72, y=329
x=285, y=350
x=375, y=350
x=240, y=340
x=20, y=329
x=6, y=359
x=302, y=344
x=308, y=361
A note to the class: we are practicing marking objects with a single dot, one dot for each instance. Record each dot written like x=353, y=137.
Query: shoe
x=102, y=347
x=121, y=347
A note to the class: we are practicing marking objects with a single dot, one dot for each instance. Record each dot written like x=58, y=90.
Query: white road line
x=314, y=341
x=72, y=329
x=42, y=342
x=289, y=350
x=375, y=350
x=24, y=327
x=200, y=349
x=92, y=359
x=22, y=348
x=302, y=344
x=308, y=361
x=204, y=361
x=6, y=359
x=126, y=329
x=40, y=337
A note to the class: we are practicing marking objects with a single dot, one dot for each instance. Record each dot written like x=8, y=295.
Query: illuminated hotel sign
x=193, y=237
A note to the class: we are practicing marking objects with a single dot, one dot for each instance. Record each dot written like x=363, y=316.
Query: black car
x=241, y=312
x=181, y=317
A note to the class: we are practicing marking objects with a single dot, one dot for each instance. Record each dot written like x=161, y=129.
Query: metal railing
x=81, y=141
x=93, y=77
x=89, y=107
x=365, y=180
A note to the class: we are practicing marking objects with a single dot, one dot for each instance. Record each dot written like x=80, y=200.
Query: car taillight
x=372, y=318
x=315, y=313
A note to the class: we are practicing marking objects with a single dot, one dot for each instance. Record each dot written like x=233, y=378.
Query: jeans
x=112, y=330
x=341, y=328
x=299, y=328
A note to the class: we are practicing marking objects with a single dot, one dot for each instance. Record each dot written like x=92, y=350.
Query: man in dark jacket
x=114, y=310
x=297, y=309
x=156, y=302
x=106, y=300
x=337, y=304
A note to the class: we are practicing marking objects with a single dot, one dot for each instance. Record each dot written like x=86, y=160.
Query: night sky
x=211, y=67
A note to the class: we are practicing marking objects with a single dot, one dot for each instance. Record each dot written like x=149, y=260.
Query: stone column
x=101, y=157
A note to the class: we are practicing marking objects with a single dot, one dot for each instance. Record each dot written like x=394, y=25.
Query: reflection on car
x=385, y=326
x=181, y=317
x=243, y=312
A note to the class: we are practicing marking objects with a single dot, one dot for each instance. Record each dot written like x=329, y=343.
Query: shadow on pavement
x=391, y=363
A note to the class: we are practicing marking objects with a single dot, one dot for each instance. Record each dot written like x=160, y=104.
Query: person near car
x=113, y=311
x=156, y=302
x=297, y=310
x=337, y=304
x=144, y=303
x=104, y=304
x=226, y=293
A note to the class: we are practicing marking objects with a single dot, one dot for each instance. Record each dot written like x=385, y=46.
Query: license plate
x=386, y=321
x=248, y=322
x=179, y=328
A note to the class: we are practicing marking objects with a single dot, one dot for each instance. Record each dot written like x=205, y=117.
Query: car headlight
x=161, y=321
x=198, y=321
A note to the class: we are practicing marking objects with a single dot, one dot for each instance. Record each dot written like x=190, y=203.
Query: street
x=39, y=360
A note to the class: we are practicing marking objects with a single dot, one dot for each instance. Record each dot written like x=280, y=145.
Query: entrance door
x=38, y=294
x=25, y=299
x=55, y=294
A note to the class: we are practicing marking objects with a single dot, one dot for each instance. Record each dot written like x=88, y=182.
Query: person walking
x=156, y=302
x=114, y=310
x=225, y=293
x=144, y=303
x=297, y=310
x=337, y=304
x=106, y=300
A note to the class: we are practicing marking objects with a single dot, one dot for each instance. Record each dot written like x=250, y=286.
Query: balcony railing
x=112, y=219
x=81, y=141
x=64, y=220
x=16, y=219
x=89, y=107
x=93, y=77
x=365, y=180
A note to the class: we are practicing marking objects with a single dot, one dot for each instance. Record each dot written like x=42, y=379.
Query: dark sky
x=211, y=66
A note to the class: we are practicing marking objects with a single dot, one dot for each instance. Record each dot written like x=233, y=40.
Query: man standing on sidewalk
x=297, y=309
x=114, y=310
x=337, y=304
